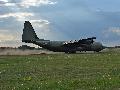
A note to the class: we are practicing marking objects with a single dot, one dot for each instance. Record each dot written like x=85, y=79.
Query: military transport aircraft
x=29, y=36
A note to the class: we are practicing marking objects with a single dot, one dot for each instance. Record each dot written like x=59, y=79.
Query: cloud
x=8, y=39
x=3, y=0
x=5, y=3
x=20, y=16
x=26, y=3
x=40, y=23
x=10, y=4
x=62, y=21
x=115, y=30
x=111, y=35
x=6, y=35
x=42, y=27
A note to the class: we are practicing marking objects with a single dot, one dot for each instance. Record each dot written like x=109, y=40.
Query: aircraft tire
x=66, y=52
x=97, y=51
x=72, y=52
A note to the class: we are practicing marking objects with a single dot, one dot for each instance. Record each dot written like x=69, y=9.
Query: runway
x=24, y=52
x=39, y=52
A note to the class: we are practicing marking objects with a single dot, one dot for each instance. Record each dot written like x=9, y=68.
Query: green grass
x=60, y=72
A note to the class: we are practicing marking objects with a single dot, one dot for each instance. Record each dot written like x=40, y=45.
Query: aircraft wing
x=81, y=42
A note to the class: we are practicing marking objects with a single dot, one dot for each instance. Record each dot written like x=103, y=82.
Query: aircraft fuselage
x=29, y=36
x=58, y=46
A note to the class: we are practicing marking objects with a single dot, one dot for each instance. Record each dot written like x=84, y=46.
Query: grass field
x=100, y=71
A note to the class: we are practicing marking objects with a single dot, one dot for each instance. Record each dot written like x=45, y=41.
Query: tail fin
x=29, y=34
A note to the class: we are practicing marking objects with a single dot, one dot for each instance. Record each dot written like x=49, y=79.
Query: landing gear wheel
x=72, y=52
x=96, y=51
x=66, y=52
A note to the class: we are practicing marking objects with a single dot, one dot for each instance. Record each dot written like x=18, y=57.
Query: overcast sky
x=61, y=20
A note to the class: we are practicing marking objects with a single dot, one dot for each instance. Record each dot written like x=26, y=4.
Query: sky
x=61, y=20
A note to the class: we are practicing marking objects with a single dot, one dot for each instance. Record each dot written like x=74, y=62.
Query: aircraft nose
x=97, y=46
x=103, y=47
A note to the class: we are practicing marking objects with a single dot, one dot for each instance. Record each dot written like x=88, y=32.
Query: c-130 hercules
x=29, y=36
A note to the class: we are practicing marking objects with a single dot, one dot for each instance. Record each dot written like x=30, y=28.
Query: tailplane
x=29, y=34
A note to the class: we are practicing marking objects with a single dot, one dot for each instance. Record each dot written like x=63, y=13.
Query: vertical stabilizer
x=29, y=34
